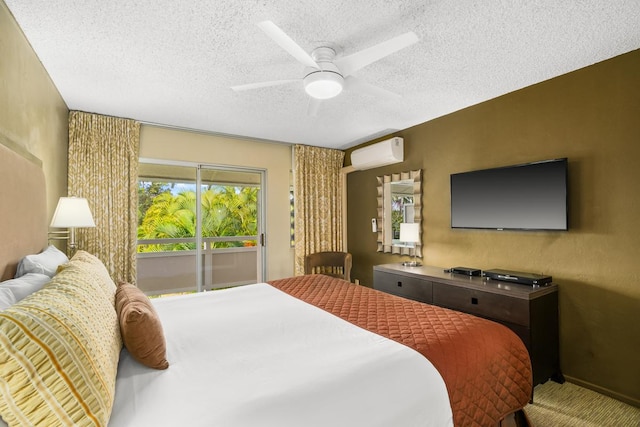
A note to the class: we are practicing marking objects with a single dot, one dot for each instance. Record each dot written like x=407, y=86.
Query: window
x=225, y=210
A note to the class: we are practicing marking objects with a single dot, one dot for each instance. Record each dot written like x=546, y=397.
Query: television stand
x=531, y=312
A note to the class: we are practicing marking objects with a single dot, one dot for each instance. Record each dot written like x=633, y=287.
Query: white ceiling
x=172, y=62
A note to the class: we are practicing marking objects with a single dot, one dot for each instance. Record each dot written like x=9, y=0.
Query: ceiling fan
x=325, y=75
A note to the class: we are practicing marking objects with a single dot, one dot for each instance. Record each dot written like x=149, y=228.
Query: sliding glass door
x=200, y=227
x=231, y=229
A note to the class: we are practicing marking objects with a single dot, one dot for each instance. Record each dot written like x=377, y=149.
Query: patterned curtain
x=318, y=202
x=103, y=168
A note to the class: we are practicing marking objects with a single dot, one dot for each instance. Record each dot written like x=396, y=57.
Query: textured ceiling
x=172, y=62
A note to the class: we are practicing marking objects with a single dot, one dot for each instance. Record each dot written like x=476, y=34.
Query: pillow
x=25, y=285
x=91, y=264
x=46, y=262
x=6, y=298
x=140, y=327
x=59, y=352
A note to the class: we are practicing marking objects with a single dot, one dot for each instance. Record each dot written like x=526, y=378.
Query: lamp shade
x=410, y=232
x=72, y=212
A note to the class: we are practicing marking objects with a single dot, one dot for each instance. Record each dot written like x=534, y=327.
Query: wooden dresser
x=530, y=311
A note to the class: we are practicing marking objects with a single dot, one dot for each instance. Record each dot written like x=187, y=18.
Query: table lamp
x=410, y=233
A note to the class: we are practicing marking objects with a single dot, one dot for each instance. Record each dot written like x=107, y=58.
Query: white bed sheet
x=256, y=356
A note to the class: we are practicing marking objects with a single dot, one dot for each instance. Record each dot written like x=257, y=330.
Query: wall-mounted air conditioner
x=379, y=154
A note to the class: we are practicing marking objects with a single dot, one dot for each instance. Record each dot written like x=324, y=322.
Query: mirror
x=399, y=200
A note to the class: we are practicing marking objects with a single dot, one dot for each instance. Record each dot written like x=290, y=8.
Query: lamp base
x=412, y=264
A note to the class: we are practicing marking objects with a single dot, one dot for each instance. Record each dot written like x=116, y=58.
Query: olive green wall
x=591, y=116
x=33, y=115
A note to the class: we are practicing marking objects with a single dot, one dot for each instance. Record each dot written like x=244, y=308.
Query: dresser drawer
x=404, y=286
x=484, y=304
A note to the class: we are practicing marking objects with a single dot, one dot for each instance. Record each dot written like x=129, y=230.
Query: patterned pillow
x=98, y=273
x=59, y=351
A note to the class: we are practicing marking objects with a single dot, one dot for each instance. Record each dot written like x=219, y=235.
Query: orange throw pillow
x=140, y=327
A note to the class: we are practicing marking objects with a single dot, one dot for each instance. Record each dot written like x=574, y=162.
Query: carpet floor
x=568, y=405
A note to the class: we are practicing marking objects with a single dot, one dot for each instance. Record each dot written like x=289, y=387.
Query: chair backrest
x=336, y=264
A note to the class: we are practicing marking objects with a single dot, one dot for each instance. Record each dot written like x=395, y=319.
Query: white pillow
x=25, y=285
x=46, y=262
x=6, y=298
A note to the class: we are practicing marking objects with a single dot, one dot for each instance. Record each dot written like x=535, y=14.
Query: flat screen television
x=530, y=196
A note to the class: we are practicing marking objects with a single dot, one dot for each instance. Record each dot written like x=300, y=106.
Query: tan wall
x=591, y=116
x=178, y=145
x=33, y=115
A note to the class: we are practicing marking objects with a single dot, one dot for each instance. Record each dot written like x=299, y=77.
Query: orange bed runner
x=485, y=366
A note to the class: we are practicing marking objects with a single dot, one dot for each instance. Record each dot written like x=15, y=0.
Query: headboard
x=23, y=207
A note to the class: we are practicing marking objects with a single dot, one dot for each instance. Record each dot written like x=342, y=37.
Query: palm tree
x=226, y=211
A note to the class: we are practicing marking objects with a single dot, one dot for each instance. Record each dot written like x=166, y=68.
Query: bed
x=309, y=350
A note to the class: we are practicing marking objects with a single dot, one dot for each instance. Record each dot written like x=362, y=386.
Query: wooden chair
x=335, y=264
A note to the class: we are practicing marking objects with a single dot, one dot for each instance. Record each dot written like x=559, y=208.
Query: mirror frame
x=416, y=176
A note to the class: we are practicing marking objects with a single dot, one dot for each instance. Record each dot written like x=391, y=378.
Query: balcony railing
x=175, y=270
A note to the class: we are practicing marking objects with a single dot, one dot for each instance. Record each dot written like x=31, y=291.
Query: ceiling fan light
x=323, y=84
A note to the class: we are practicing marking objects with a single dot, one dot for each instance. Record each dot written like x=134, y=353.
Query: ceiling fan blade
x=351, y=63
x=313, y=107
x=285, y=42
x=259, y=85
x=353, y=83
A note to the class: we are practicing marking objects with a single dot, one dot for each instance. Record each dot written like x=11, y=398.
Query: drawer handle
x=474, y=301
x=399, y=284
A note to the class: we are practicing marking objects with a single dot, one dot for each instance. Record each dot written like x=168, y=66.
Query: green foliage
x=226, y=211
x=147, y=192
x=397, y=213
x=396, y=220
